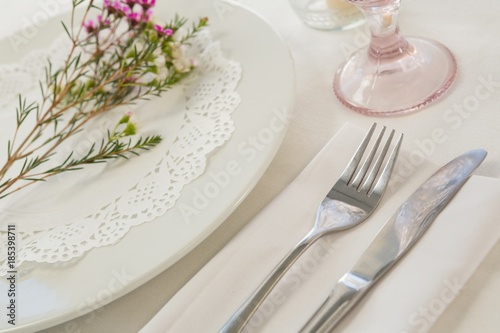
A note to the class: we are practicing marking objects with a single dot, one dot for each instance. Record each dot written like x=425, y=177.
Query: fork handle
x=241, y=317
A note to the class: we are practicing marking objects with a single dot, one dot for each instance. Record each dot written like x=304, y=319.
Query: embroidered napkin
x=408, y=299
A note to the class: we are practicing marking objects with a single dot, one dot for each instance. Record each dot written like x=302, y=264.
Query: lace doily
x=70, y=214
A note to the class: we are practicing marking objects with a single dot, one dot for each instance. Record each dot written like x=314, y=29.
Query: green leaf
x=67, y=31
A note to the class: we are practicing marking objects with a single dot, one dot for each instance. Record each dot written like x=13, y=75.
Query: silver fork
x=350, y=201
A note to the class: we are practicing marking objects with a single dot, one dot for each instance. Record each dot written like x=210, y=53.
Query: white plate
x=54, y=295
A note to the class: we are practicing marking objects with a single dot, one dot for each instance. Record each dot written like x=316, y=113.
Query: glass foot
x=399, y=83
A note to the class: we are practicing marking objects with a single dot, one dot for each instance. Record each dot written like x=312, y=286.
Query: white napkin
x=409, y=299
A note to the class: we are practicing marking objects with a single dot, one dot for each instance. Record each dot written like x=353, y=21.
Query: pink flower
x=89, y=26
x=125, y=10
x=146, y=4
x=163, y=31
x=134, y=18
x=116, y=7
x=135, y=11
x=147, y=15
x=103, y=22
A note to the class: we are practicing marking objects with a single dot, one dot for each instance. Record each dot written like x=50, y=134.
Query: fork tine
x=354, y=162
x=370, y=178
x=383, y=180
x=366, y=164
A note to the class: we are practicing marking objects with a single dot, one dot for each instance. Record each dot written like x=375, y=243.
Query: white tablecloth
x=468, y=117
x=408, y=299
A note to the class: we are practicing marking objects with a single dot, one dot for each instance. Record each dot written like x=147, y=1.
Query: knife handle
x=346, y=293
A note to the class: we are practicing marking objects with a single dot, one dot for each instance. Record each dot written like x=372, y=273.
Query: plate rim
x=69, y=315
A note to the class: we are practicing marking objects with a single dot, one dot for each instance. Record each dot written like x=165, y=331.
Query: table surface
x=467, y=117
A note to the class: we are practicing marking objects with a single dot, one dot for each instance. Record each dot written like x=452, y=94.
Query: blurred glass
x=328, y=14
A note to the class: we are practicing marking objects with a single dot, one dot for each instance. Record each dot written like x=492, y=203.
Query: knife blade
x=394, y=239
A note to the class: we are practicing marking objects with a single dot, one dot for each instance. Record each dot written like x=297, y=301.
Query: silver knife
x=395, y=238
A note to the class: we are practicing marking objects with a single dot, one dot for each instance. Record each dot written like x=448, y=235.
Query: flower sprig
x=120, y=57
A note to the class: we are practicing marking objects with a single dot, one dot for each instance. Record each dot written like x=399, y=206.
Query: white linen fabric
x=195, y=119
x=467, y=117
x=408, y=299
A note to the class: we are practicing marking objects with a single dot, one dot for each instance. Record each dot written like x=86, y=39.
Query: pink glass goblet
x=394, y=74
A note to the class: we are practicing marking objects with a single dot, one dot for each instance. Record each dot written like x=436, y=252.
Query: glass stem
x=386, y=41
